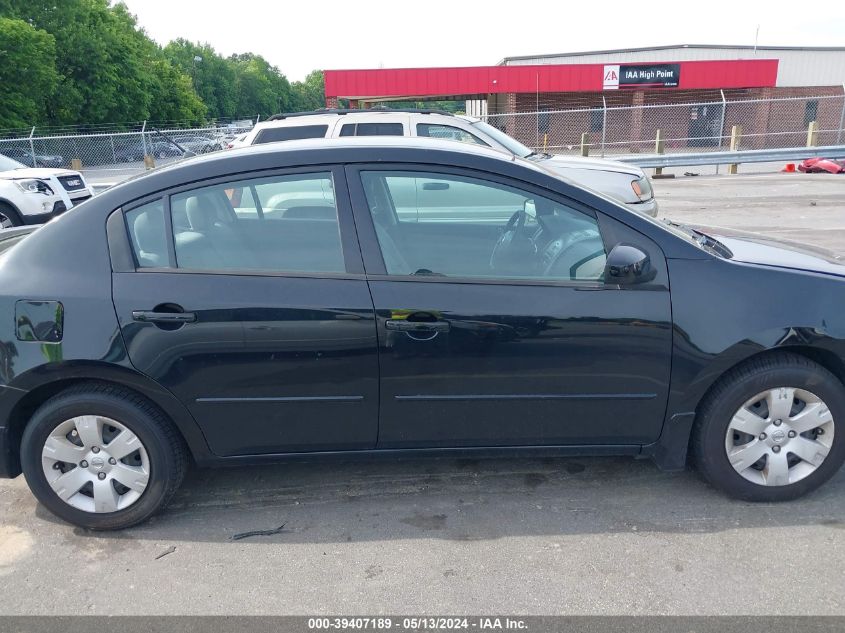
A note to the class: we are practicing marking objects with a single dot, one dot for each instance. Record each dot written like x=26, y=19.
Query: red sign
x=482, y=80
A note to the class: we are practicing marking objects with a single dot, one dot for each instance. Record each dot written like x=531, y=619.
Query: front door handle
x=401, y=325
x=149, y=316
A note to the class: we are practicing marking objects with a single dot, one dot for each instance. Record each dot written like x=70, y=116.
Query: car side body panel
x=91, y=347
x=726, y=312
x=266, y=367
x=723, y=312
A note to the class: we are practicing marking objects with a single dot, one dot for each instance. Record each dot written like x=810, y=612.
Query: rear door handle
x=148, y=316
x=401, y=325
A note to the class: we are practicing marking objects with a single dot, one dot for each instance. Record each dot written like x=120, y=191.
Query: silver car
x=620, y=181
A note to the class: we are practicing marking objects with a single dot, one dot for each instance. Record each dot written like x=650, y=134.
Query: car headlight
x=33, y=186
x=642, y=188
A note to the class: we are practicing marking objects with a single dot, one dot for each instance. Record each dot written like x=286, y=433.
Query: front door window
x=456, y=226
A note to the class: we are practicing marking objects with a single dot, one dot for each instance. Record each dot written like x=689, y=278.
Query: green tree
x=88, y=62
x=27, y=73
x=261, y=88
x=173, y=95
x=310, y=93
x=213, y=76
x=97, y=56
x=109, y=70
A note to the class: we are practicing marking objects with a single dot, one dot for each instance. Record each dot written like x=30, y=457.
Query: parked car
x=33, y=195
x=622, y=181
x=236, y=141
x=198, y=144
x=319, y=316
x=134, y=152
x=26, y=157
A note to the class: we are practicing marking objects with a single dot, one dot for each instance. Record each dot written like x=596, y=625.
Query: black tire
x=11, y=214
x=165, y=448
x=732, y=391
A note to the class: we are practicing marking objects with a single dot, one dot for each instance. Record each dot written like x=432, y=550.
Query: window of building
x=596, y=119
x=811, y=111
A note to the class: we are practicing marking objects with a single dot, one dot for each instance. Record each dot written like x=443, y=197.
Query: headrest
x=201, y=210
x=149, y=231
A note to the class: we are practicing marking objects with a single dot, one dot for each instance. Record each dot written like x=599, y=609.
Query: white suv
x=34, y=195
x=626, y=183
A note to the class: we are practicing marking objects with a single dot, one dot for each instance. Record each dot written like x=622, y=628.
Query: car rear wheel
x=767, y=431
x=8, y=217
x=101, y=457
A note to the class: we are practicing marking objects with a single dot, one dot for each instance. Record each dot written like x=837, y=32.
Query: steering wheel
x=514, y=252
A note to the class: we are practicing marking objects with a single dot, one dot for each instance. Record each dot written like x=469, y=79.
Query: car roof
x=314, y=152
x=343, y=111
x=326, y=145
x=308, y=118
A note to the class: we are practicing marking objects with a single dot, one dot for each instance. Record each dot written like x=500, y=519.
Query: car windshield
x=509, y=143
x=7, y=164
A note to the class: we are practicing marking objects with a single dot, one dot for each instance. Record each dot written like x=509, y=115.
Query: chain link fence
x=107, y=157
x=110, y=156
x=684, y=127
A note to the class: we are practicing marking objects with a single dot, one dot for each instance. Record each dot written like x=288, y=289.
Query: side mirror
x=627, y=264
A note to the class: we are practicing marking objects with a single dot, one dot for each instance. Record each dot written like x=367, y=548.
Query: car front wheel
x=8, y=217
x=101, y=457
x=767, y=431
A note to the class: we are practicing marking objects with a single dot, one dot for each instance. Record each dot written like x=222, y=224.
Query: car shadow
x=459, y=500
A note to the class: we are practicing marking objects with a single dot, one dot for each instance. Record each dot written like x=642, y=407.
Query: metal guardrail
x=731, y=158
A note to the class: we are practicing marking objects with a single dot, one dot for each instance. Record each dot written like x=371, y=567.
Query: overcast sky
x=299, y=36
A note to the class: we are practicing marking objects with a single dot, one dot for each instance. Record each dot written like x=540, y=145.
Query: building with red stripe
x=688, y=74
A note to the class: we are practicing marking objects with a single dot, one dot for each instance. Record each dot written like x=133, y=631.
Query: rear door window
x=372, y=129
x=275, y=224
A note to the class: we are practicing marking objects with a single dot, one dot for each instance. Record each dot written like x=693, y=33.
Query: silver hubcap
x=779, y=436
x=95, y=464
x=5, y=222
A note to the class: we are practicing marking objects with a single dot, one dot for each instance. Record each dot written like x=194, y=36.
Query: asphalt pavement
x=447, y=536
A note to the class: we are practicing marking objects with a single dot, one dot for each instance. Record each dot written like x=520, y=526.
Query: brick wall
x=766, y=121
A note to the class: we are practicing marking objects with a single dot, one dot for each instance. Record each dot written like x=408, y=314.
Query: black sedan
x=389, y=296
x=135, y=152
x=26, y=157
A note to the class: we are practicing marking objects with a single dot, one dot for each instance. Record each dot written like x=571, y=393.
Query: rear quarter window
x=147, y=234
x=294, y=133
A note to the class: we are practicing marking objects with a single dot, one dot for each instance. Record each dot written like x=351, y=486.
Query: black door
x=705, y=125
x=495, y=326
x=249, y=305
